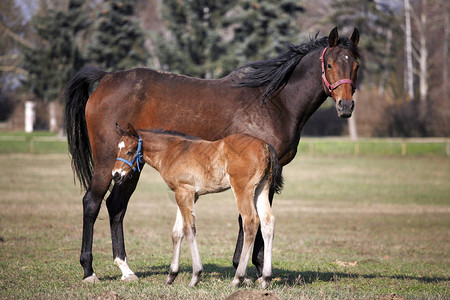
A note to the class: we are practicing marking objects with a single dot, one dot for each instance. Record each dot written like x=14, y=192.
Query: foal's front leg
x=177, y=237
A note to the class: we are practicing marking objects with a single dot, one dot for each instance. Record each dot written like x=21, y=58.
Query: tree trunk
x=423, y=59
x=351, y=122
x=409, y=63
x=445, y=50
x=386, y=74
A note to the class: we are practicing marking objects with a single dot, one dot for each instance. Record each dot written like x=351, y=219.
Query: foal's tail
x=276, y=179
x=77, y=95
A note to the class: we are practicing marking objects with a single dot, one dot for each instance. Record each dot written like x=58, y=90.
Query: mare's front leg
x=117, y=203
x=185, y=200
x=91, y=207
x=177, y=237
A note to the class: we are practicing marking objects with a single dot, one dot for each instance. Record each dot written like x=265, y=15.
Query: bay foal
x=192, y=167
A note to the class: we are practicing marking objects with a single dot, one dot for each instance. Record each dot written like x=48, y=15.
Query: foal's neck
x=154, y=147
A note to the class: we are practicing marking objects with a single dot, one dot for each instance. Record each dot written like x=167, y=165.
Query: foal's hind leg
x=185, y=200
x=250, y=222
x=267, y=220
x=258, y=248
x=177, y=237
x=117, y=203
x=91, y=207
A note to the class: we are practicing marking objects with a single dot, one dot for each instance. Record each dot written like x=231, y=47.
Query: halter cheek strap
x=333, y=86
x=138, y=158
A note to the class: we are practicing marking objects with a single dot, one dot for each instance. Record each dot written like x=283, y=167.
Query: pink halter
x=333, y=86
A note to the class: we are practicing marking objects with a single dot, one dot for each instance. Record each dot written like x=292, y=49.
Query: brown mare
x=193, y=167
x=270, y=100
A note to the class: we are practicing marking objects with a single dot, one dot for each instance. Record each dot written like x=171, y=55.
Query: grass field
x=347, y=227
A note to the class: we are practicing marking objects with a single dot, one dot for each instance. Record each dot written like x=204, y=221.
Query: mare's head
x=129, y=154
x=339, y=70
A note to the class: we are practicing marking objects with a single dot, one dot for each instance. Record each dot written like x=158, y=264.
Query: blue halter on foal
x=137, y=158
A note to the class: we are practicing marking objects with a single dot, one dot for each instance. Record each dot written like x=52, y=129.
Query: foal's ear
x=131, y=130
x=119, y=130
x=333, y=38
x=355, y=37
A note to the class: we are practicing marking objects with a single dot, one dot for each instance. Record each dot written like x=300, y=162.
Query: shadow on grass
x=283, y=277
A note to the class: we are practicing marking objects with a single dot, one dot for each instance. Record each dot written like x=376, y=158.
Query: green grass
x=44, y=142
x=390, y=215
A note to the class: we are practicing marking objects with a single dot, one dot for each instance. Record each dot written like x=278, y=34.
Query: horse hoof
x=248, y=281
x=235, y=282
x=264, y=283
x=91, y=279
x=130, y=278
x=194, y=282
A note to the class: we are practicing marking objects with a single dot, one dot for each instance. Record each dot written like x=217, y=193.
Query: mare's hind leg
x=250, y=222
x=117, y=203
x=91, y=207
x=177, y=237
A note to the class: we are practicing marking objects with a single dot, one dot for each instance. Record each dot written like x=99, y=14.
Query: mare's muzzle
x=345, y=108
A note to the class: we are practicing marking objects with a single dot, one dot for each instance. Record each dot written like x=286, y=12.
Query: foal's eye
x=130, y=153
x=329, y=66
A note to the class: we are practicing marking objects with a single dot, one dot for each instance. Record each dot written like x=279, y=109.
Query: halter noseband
x=333, y=86
x=137, y=158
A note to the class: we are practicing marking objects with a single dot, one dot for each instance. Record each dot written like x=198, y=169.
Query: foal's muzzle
x=120, y=177
x=117, y=178
x=345, y=108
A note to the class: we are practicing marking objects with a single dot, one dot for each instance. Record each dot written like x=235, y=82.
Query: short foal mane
x=170, y=132
x=274, y=73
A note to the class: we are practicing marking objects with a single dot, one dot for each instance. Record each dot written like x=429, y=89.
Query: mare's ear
x=131, y=130
x=355, y=37
x=333, y=38
x=119, y=130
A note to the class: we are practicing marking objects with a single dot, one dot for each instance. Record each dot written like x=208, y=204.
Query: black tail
x=276, y=180
x=77, y=94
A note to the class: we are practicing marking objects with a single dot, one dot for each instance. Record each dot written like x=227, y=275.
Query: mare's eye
x=329, y=66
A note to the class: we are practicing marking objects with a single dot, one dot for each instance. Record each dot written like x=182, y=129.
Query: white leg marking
x=177, y=237
x=197, y=267
x=267, y=229
x=123, y=266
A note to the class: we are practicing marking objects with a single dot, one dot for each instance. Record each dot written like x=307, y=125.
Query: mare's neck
x=304, y=92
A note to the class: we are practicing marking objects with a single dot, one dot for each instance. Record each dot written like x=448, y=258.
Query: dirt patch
x=252, y=295
x=392, y=296
x=108, y=296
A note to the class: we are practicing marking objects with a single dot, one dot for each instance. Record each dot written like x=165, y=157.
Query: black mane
x=274, y=73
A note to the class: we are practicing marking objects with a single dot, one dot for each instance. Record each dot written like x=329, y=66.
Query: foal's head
x=129, y=154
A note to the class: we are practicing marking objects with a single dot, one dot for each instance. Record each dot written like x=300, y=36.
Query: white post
x=30, y=115
x=52, y=116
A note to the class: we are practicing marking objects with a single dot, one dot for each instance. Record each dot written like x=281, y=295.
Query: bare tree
x=409, y=72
